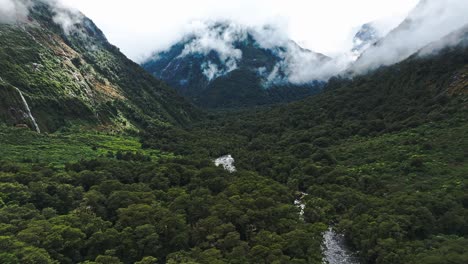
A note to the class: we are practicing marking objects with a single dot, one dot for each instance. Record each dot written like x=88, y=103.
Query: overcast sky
x=139, y=27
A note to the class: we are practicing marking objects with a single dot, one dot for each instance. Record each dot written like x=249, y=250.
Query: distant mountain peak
x=365, y=37
x=214, y=50
x=223, y=46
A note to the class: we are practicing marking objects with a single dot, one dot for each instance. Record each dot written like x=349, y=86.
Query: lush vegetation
x=383, y=158
x=24, y=146
x=116, y=205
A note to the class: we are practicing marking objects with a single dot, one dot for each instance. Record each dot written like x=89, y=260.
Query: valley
x=101, y=162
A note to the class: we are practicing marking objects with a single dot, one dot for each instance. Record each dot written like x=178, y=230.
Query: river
x=335, y=250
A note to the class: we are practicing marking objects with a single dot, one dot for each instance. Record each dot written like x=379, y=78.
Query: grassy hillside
x=25, y=147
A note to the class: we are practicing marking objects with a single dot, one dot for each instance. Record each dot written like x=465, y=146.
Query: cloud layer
x=139, y=27
x=219, y=43
x=428, y=22
x=12, y=11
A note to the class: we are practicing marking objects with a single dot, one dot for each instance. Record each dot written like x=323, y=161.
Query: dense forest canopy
x=385, y=163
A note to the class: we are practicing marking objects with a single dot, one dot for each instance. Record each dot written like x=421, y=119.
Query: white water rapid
x=227, y=162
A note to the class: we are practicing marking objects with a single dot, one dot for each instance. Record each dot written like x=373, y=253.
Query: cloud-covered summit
x=226, y=46
x=375, y=44
x=428, y=22
x=19, y=11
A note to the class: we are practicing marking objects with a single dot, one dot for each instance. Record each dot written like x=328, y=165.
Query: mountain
x=429, y=21
x=382, y=156
x=367, y=35
x=57, y=68
x=223, y=64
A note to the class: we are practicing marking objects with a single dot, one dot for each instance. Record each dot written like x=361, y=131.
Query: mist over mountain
x=101, y=162
x=429, y=21
x=258, y=62
x=367, y=36
x=204, y=60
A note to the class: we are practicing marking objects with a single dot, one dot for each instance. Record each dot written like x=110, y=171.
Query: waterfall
x=28, y=111
x=299, y=203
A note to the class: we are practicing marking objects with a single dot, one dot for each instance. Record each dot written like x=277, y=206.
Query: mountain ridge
x=218, y=50
x=67, y=70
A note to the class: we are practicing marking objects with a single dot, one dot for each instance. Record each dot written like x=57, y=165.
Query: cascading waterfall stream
x=334, y=246
x=28, y=111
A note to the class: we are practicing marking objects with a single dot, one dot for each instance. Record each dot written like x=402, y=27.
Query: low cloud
x=455, y=38
x=13, y=11
x=17, y=11
x=427, y=23
x=65, y=16
x=430, y=21
x=206, y=38
x=221, y=39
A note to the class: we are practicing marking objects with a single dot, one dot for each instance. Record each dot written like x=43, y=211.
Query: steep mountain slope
x=225, y=65
x=68, y=73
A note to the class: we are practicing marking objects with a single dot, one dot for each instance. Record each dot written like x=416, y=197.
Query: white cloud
x=12, y=11
x=65, y=16
x=430, y=21
x=211, y=70
x=139, y=27
x=296, y=64
x=207, y=38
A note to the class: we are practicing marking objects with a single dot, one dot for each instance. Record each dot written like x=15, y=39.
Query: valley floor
x=86, y=196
